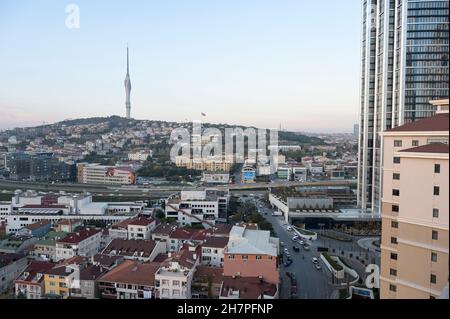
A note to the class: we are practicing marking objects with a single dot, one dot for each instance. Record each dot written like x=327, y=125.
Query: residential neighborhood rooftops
x=250, y=241
x=214, y=274
x=247, y=288
x=38, y=225
x=8, y=258
x=132, y=272
x=79, y=236
x=215, y=242
x=33, y=269
x=129, y=248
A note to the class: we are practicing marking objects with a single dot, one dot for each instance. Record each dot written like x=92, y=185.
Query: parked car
x=286, y=251
x=318, y=266
x=287, y=263
x=315, y=260
x=282, y=244
x=302, y=242
x=306, y=248
x=296, y=248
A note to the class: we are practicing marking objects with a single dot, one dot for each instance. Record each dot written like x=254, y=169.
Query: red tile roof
x=439, y=122
x=34, y=268
x=215, y=274
x=249, y=287
x=216, y=242
x=79, y=236
x=429, y=148
x=139, y=221
x=130, y=248
x=132, y=272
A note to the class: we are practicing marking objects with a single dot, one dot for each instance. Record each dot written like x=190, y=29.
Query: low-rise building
x=38, y=229
x=236, y=287
x=198, y=207
x=136, y=249
x=88, y=289
x=68, y=225
x=252, y=253
x=11, y=266
x=85, y=242
x=45, y=248
x=30, y=283
x=216, y=177
x=101, y=174
x=213, y=251
x=174, y=277
x=129, y=280
x=207, y=282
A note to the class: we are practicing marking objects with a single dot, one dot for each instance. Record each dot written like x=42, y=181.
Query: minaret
x=128, y=88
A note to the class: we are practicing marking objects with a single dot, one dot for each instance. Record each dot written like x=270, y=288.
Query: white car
x=286, y=251
x=315, y=260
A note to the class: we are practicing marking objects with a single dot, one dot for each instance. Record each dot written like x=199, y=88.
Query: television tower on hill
x=128, y=88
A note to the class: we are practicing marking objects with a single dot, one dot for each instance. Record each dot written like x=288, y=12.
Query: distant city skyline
x=258, y=63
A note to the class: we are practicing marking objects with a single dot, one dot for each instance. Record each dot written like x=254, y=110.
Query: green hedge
x=332, y=262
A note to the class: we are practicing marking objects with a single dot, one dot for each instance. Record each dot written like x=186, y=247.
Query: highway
x=155, y=191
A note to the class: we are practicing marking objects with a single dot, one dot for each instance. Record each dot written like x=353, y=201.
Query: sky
x=293, y=63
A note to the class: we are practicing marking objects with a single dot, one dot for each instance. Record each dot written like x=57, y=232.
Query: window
x=231, y=257
x=393, y=288
x=434, y=235
x=258, y=257
x=433, y=279
x=396, y=176
x=394, y=240
x=394, y=224
x=393, y=272
x=397, y=143
x=176, y=283
x=244, y=257
x=415, y=143
x=434, y=256
x=396, y=160
x=395, y=208
x=437, y=168
x=394, y=256
x=435, y=213
x=395, y=192
x=436, y=190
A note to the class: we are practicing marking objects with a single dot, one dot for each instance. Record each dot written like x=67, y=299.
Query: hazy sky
x=251, y=62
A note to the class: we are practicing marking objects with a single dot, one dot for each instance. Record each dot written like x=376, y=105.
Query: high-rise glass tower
x=404, y=65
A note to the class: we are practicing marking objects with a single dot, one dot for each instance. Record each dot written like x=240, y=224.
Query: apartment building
x=198, y=207
x=251, y=253
x=129, y=280
x=101, y=174
x=136, y=249
x=415, y=209
x=30, y=283
x=174, y=277
x=85, y=242
x=134, y=228
x=60, y=280
x=11, y=266
x=208, y=164
x=213, y=251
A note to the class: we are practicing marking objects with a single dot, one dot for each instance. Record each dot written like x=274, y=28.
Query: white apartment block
x=195, y=207
x=140, y=156
x=85, y=242
x=100, y=174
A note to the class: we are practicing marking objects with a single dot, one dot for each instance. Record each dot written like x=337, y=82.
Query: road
x=311, y=283
x=134, y=190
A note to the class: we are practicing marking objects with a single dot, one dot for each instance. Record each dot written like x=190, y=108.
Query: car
x=306, y=248
x=302, y=242
x=287, y=263
x=315, y=260
x=286, y=251
x=318, y=267
x=282, y=244
x=296, y=248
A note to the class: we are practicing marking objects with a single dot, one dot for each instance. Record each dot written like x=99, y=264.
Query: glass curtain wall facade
x=404, y=65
